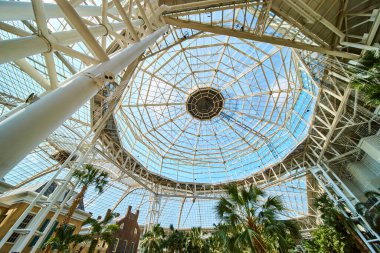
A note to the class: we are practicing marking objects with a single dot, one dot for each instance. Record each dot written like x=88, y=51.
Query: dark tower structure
x=127, y=238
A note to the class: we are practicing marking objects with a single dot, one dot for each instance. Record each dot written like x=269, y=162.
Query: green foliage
x=335, y=235
x=251, y=222
x=325, y=240
x=194, y=241
x=329, y=214
x=366, y=77
x=175, y=241
x=90, y=175
x=370, y=210
x=153, y=240
x=101, y=230
x=64, y=239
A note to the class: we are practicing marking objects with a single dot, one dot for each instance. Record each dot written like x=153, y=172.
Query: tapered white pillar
x=23, y=131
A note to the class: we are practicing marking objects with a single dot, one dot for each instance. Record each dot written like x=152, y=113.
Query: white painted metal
x=76, y=22
x=333, y=186
x=371, y=145
x=10, y=10
x=16, y=48
x=363, y=177
x=40, y=16
x=32, y=72
x=154, y=211
x=323, y=134
x=27, y=128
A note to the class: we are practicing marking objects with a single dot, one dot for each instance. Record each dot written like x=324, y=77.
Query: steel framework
x=131, y=126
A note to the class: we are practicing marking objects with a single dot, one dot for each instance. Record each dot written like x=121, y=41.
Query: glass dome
x=216, y=108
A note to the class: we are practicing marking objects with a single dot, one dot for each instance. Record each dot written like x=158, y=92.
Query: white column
x=23, y=11
x=23, y=131
x=15, y=49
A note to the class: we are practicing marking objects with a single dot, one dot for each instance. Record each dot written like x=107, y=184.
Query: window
x=22, y=225
x=41, y=229
x=125, y=246
x=122, y=226
x=132, y=247
x=51, y=231
x=116, y=243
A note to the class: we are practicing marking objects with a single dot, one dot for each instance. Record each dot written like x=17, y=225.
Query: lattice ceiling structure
x=234, y=91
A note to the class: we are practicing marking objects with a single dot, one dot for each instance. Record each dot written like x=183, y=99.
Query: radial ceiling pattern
x=201, y=107
x=216, y=108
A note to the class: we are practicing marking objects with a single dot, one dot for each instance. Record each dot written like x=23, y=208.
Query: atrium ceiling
x=234, y=91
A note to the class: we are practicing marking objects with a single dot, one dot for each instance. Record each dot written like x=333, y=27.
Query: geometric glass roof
x=264, y=110
x=268, y=98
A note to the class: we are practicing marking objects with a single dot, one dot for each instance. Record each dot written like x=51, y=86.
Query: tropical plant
x=366, y=77
x=370, y=210
x=86, y=177
x=63, y=239
x=101, y=230
x=219, y=239
x=334, y=220
x=89, y=175
x=325, y=240
x=152, y=241
x=195, y=241
x=175, y=241
x=251, y=221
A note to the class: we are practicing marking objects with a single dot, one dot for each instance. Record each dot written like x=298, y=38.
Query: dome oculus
x=205, y=103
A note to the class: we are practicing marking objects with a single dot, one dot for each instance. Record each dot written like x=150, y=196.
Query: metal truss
x=83, y=35
x=295, y=21
x=345, y=200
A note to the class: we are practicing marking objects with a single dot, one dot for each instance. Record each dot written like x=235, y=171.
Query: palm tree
x=195, y=241
x=370, y=210
x=175, y=241
x=220, y=241
x=86, y=177
x=63, y=239
x=101, y=230
x=366, y=77
x=214, y=244
x=251, y=221
x=153, y=240
x=89, y=175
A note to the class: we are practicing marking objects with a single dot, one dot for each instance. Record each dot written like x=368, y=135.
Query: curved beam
x=180, y=212
x=123, y=196
x=38, y=175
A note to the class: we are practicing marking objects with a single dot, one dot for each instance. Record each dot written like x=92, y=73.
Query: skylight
x=268, y=100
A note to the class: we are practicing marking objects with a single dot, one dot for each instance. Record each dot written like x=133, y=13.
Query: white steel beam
x=126, y=20
x=33, y=73
x=199, y=5
x=15, y=49
x=41, y=20
x=10, y=11
x=77, y=23
x=260, y=38
x=23, y=131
